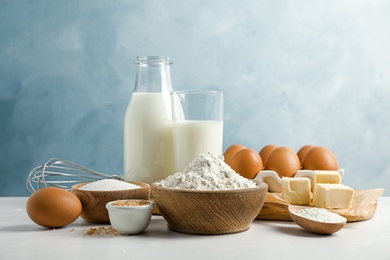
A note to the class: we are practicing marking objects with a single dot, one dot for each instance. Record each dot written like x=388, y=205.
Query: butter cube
x=327, y=177
x=332, y=196
x=296, y=190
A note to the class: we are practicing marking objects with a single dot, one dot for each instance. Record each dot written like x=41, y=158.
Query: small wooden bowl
x=94, y=202
x=209, y=212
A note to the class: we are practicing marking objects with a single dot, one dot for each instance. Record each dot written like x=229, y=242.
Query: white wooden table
x=20, y=238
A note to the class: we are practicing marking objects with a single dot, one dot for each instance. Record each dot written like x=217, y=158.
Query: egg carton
x=275, y=182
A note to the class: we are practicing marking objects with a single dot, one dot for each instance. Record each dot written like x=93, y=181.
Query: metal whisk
x=63, y=174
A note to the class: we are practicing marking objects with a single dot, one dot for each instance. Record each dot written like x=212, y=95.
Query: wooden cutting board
x=363, y=207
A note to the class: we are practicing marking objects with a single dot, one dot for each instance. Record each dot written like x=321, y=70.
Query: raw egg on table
x=53, y=207
x=284, y=161
x=266, y=151
x=231, y=151
x=303, y=151
x=320, y=158
x=247, y=162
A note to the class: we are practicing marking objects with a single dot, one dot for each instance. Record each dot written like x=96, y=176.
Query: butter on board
x=296, y=190
x=332, y=196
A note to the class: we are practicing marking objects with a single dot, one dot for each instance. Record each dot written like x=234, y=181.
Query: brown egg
x=265, y=152
x=303, y=151
x=231, y=151
x=247, y=163
x=320, y=158
x=284, y=161
x=53, y=207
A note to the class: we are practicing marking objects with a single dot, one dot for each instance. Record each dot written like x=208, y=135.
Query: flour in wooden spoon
x=207, y=172
x=321, y=215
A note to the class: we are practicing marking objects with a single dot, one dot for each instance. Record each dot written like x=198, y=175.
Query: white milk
x=148, y=141
x=194, y=137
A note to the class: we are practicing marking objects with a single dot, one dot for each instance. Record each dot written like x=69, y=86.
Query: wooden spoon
x=314, y=226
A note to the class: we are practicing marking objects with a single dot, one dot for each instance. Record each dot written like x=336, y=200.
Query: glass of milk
x=197, y=124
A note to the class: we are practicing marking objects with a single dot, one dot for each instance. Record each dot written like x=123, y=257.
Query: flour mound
x=207, y=172
x=108, y=185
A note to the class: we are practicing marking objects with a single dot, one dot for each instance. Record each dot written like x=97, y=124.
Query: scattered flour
x=207, y=172
x=322, y=215
x=108, y=184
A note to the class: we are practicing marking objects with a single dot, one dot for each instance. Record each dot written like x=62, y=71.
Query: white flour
x=322, y=215
x=207, y=172
x=108, y=184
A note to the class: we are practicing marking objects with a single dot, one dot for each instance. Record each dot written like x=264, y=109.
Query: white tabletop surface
x=22, y=239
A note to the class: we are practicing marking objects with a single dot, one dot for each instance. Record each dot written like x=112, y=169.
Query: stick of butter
x=331, y=195
x=327, y=177
x=320, y=176
x=296, y=190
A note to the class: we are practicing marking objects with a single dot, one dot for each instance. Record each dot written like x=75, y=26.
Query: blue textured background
x=293, y=72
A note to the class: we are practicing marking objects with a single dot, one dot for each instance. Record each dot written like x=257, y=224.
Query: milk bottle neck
x=153, y=74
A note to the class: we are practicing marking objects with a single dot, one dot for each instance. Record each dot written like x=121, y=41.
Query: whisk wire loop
x=56, y=171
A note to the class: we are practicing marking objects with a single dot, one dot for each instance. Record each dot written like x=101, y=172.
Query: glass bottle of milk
x=148, y=138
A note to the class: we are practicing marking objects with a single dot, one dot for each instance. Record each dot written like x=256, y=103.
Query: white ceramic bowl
x=130, y=220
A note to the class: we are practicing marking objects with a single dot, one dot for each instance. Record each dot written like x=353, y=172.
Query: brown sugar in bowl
x=94, y=202
x=209, y=212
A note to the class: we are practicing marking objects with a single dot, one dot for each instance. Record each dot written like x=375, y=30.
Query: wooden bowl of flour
x=94, y=201
x=209, y=212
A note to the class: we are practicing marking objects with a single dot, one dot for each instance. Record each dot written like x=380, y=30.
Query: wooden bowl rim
x=260, y=186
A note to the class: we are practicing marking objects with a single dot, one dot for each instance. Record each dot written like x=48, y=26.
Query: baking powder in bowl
x=207, y=172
